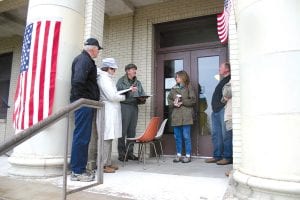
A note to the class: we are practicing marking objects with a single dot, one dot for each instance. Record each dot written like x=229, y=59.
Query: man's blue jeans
x=218, y=133
x=180, y=133
x=81, y=139
x=228, y=145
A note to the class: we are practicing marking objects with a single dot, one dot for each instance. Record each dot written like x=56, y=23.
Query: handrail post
x=64, y=197
x=100, y=144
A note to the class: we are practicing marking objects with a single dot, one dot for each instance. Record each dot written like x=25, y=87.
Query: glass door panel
x=170, y=68
x=207, y=81
x=204, y=76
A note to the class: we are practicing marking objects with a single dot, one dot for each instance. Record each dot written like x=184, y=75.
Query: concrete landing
x=166, y=181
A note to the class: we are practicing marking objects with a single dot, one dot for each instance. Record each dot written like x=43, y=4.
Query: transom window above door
x=187, y=32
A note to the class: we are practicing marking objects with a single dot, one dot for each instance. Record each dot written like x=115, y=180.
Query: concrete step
x=18, y=189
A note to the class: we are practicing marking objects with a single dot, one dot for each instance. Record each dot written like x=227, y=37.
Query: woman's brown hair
x=184, y=77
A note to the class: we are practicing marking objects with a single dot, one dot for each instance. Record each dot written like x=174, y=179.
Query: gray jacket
x=125, y=83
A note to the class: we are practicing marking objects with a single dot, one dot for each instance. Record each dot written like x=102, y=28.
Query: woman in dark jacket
x=181, y=101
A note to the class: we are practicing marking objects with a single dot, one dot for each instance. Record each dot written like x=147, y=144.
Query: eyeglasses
x=113, y=69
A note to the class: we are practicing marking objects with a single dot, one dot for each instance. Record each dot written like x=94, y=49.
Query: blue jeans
x=180, y=133
x=218, y=133
x=81, y=139
x=228, y=145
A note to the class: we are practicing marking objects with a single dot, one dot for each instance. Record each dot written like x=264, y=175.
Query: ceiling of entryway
x=13, y=13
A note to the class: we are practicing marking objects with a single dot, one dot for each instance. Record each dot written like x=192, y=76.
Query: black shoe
x=132, y=157
x=122, y=159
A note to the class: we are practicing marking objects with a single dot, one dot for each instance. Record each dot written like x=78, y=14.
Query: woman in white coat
x=113, y=119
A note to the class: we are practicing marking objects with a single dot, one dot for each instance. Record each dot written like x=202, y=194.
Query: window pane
x=208, y=68
x=170, y=68
x=5, y=71
x=187, y=32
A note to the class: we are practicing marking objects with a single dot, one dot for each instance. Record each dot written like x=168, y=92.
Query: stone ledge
x=262, y=187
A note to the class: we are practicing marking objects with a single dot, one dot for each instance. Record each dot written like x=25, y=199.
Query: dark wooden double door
x=202, y=67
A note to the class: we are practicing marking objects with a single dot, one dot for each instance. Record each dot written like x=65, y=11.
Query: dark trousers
x=129, y=122
x=81, y=139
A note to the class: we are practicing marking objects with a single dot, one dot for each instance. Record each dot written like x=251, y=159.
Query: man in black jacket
x=222, y=154
x=83, y=85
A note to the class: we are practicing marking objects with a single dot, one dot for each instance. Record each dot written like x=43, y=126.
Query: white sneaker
x=84, y=177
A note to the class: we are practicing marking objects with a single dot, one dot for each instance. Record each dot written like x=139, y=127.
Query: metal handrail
x=64, y=112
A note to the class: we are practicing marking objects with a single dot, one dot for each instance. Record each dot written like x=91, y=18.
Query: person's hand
x=134, y=88
x=177, y=104
x=141, y=100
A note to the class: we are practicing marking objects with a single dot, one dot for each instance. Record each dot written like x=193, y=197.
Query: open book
x=123, y=91
x=143, y=96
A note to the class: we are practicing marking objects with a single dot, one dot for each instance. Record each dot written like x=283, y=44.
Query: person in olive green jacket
x=182, y=100
x=129, y=109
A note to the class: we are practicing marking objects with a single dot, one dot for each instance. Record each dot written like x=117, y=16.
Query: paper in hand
x=123, y=91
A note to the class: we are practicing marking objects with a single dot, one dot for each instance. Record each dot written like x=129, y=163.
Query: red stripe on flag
x=53, y=65
x=16, y=99
x=40, y=108
x=34, y=67
x=23, y=100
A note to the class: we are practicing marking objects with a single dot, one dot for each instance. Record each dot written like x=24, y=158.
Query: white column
x=42, y=155
x=269, y=44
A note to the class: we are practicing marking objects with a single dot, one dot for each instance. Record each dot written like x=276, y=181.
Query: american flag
x=223, y=21
x=36, y=82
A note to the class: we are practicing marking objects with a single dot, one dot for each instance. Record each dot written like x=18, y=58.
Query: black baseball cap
x=93, y=42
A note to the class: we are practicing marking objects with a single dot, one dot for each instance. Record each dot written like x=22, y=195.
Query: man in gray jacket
x=129, y=109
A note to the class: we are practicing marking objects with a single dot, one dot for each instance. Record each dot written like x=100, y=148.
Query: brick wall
x=94, y=21
x=235, y=79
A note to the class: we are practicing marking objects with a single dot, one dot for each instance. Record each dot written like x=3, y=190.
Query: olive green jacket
x=184, y=114
x=124, y=83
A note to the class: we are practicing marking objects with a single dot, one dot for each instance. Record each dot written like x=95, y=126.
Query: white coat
x=109, y=96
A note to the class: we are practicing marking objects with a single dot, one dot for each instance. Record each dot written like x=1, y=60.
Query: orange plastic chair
x=147, y=137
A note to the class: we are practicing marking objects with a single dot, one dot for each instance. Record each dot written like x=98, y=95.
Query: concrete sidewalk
x=166, y=181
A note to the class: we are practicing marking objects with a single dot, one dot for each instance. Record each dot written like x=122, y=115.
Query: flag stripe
x=223, y=22
x=33, y=73
x=24, y=86
x=42, y=74
x=54, y=65
x=36, y=82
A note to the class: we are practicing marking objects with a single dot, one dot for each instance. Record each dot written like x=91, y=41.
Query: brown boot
x=211, y=160
x=224, y=162
x=115, y=167
x=107, y=169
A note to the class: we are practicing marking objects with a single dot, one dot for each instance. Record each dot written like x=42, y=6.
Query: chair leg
x=139, y=151
x=144, y=153
x=156, y=155
x=131, y=143
x=161, y=150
